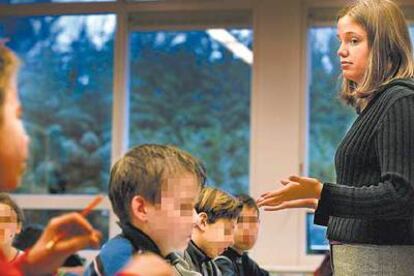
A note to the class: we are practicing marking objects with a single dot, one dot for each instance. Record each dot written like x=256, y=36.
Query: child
x=14, y=149
x=11, y=221
x=235, y=261
x=217, y=213
x=152, y=191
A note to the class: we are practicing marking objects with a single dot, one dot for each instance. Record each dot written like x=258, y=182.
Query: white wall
x=277, y=148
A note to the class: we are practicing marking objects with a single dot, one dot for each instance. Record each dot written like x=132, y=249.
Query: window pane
x=99, y=219
x=329, y=118
x=315, y=236
x=190, y=89
x=66, y=91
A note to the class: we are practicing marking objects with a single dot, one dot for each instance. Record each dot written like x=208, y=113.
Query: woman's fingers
x=302, y=179
x=264, y=194
x=281, y=206
x=299, y=203
x=295, y=178
x=294, y=188
x=269, y=202
x=284, y=181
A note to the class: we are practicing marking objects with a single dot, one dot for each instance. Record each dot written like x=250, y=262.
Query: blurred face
x=9, y=227
x=353, y=51
x=172, y=220
x=14, y=142
x=247, y=229
x=218, y=236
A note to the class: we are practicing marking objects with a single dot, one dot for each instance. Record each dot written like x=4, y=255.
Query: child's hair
x=143, y=170
x=9, y=64
x=217, y=204
x=248, y=201
x=391, y=54
x=28, y=236
x=7, y=200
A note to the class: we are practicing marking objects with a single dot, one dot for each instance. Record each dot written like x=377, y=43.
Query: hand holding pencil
x=63, y=236
x=84, y=213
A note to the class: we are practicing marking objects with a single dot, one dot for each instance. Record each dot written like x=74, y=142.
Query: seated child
x=217, y=214
x=28, y=236
x=152, y=190
x=235, y=261
x=11, y=221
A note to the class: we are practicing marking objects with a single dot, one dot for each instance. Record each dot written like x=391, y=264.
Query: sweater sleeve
x=393, y=196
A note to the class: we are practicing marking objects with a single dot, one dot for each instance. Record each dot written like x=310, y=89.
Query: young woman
x=78, y=233
x=370, y=210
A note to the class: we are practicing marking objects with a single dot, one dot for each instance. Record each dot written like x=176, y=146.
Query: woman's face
x=9, y=226
x=353, y=51
x=14, y=142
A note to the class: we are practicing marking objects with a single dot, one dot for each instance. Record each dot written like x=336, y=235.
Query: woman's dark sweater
x=373, y=200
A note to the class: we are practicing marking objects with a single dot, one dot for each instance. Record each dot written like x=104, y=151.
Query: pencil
x=92, y=205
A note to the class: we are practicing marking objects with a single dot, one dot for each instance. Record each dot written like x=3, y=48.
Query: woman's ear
x=201, y=221
x=139, y=209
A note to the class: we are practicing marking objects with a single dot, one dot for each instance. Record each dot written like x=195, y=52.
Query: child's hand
x=147, y=264
x=297, y=192
x=74, y=233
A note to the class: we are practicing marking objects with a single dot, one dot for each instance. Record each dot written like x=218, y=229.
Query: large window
x=66, y=91
x=191, y=89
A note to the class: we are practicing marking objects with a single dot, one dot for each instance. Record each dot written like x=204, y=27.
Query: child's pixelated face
x=218, y=236
x=9, y=226
x=247, y=229
x=14, y=142
x=172, y=220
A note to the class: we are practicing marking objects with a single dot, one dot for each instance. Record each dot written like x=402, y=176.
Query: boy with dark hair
x=152, y=191
x=235, y=261
x=217, y=214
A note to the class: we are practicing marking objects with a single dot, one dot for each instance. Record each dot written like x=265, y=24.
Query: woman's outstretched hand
x=297, y=192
